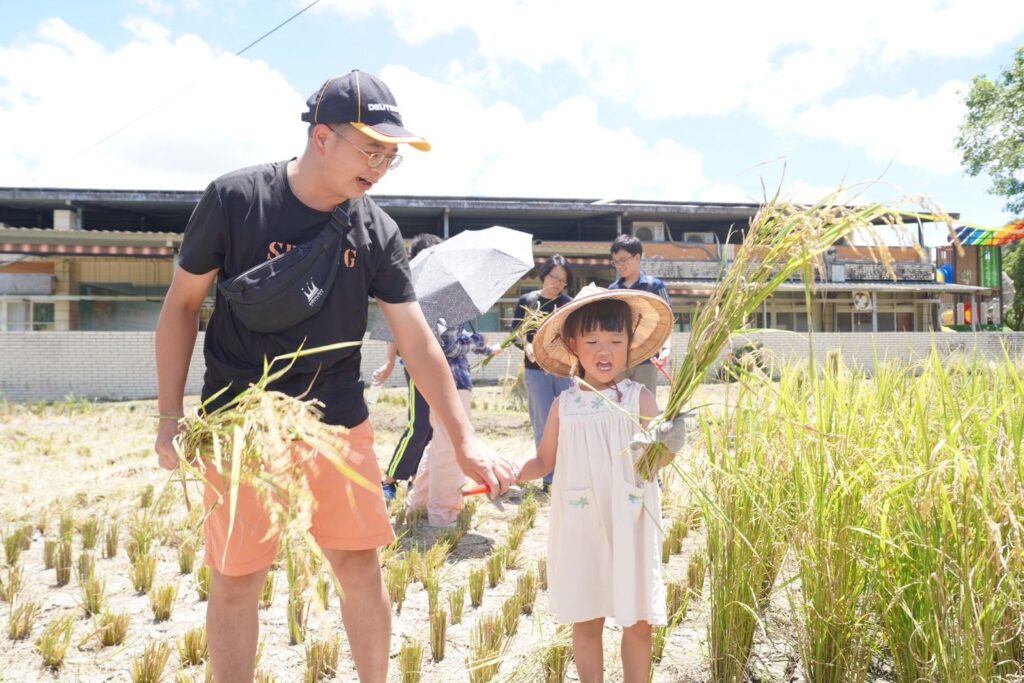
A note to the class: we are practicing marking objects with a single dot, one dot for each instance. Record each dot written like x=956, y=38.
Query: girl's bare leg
x=588, y=650
x=636, y=653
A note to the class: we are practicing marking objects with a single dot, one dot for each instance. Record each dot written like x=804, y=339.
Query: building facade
x=101, y=260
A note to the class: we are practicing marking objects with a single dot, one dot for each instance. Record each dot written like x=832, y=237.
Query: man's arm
x=175, y=340
x=428, y=367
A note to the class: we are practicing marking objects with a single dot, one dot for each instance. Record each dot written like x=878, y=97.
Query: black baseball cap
x=365, y=102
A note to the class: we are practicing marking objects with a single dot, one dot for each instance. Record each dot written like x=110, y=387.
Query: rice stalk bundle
x=53, y=642
x=410, y=661
x=438, y=631
x=268, y=442
x=193, y=649
x=322, y=660
x=149, y=668
x=784, y=240
x=456, y=602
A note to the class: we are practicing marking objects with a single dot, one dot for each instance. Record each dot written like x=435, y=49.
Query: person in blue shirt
x=627, y=252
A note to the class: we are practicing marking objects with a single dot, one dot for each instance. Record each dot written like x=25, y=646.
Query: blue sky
x=554, y=98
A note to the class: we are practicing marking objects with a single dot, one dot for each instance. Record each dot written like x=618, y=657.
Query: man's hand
x=381, y=374
x=529, y=353
x=164, y=445
x=484, y=466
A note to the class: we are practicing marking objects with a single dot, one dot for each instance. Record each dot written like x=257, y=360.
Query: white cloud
x=61, y=91
x=157, y=7
x=910, y=129
x=494, y=150
x=670, y=59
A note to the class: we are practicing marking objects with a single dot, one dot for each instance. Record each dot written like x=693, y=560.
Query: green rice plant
x=13, y=543
x=438, y=631
x=496, y=564
x=192, y=648
x=677, y=599
x=433, y=590
x=784, y=240
x=397, y=581
x=696, y=570
x=113, y=628
x=414, y=559
x=86, y=567
x=526, y=591
x=542, y=573
x=161, y=600
x=140, y=540
x=748, y=503
x=90, y=532
x=485, y=641
x=510, y=610
x=67, y=525
x=267, y=592
x=94, y=593
x=410, y=661
x=143, y=572
x=62, y=562
x=451, y=537
x=666, y=549
x=27, y=532
x=149, y=668
x=527, y=514
x=53, y=642
x=323, y=591
x=20, y=620
x=476, y=585
x=264, y=676
x=322, y=660
x=465, y=519
x=677, y=533
x=296, y=613
x=557, y=655
x=515, y=536
x=659, y=637
x=433, y=560
x=110, y=539
x=456, y=602
x=10, y=588
x=203, y=576
x=49, y=553
x=186, y=556
x=146, y=497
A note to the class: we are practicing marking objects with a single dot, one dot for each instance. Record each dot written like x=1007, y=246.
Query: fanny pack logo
x=312, y=292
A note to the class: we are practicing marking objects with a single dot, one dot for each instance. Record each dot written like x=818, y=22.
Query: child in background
x=604, y=541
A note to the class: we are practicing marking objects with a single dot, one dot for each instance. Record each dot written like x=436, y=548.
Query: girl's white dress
x=604, y=543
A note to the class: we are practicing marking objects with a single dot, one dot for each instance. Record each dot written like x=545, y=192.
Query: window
x=42, y=317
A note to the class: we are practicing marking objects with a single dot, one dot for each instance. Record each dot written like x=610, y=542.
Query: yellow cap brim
x=417, y=142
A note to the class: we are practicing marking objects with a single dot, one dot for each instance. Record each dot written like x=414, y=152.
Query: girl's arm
x=537, y=467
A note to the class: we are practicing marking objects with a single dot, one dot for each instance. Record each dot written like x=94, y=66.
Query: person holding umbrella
x=542, y=388
x=259, y=215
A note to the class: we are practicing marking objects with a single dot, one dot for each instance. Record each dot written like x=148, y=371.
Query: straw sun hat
x=652, y=325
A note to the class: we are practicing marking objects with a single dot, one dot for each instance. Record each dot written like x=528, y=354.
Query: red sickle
x=661, y=366
x=477, y=490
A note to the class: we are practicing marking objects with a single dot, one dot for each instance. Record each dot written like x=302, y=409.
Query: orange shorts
x=347, y=515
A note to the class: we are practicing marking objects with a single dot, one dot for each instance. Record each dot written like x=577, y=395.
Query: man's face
x=348, y=155
x=626, y=264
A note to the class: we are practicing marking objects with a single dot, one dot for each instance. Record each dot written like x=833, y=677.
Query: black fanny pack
x=287, y=289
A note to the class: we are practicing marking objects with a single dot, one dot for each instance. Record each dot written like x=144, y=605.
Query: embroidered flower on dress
x=580, y=502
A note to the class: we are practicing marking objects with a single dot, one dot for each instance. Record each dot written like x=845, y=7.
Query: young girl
x=604, y=543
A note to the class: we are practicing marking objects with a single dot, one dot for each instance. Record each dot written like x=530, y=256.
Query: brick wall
x=120, y=365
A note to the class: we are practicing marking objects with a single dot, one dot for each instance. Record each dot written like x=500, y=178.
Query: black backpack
x=284, y=291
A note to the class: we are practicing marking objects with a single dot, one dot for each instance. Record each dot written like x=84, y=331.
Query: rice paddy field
x=820, y=526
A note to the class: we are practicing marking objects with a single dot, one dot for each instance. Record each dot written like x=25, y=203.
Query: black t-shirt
x=533, y=301
x=251, y=215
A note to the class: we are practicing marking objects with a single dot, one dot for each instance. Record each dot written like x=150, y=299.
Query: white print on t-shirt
x=312, y=292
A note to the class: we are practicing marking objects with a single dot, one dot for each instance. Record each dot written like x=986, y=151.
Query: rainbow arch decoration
x=990, y=237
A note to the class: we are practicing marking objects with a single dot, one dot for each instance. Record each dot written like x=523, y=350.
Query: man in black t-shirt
x=243, y=219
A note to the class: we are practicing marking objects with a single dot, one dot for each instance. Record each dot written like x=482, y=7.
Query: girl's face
x=602, y=354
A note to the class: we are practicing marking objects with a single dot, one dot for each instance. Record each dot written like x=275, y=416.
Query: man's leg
x=232, y=625
x=414, y=440
x=365, y=611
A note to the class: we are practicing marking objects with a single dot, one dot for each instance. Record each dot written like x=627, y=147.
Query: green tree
x=991, y=138
x=1013, y=265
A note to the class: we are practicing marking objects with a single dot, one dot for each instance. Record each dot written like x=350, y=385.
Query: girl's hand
x=672, y=434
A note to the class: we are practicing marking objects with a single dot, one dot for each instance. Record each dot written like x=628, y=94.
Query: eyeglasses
x=559, y=280
x=374, y=159
x=624, y=261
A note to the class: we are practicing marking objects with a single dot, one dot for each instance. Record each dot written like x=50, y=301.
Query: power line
x=189, y=86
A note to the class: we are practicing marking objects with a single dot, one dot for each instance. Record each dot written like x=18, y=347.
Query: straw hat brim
x=652, y=326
